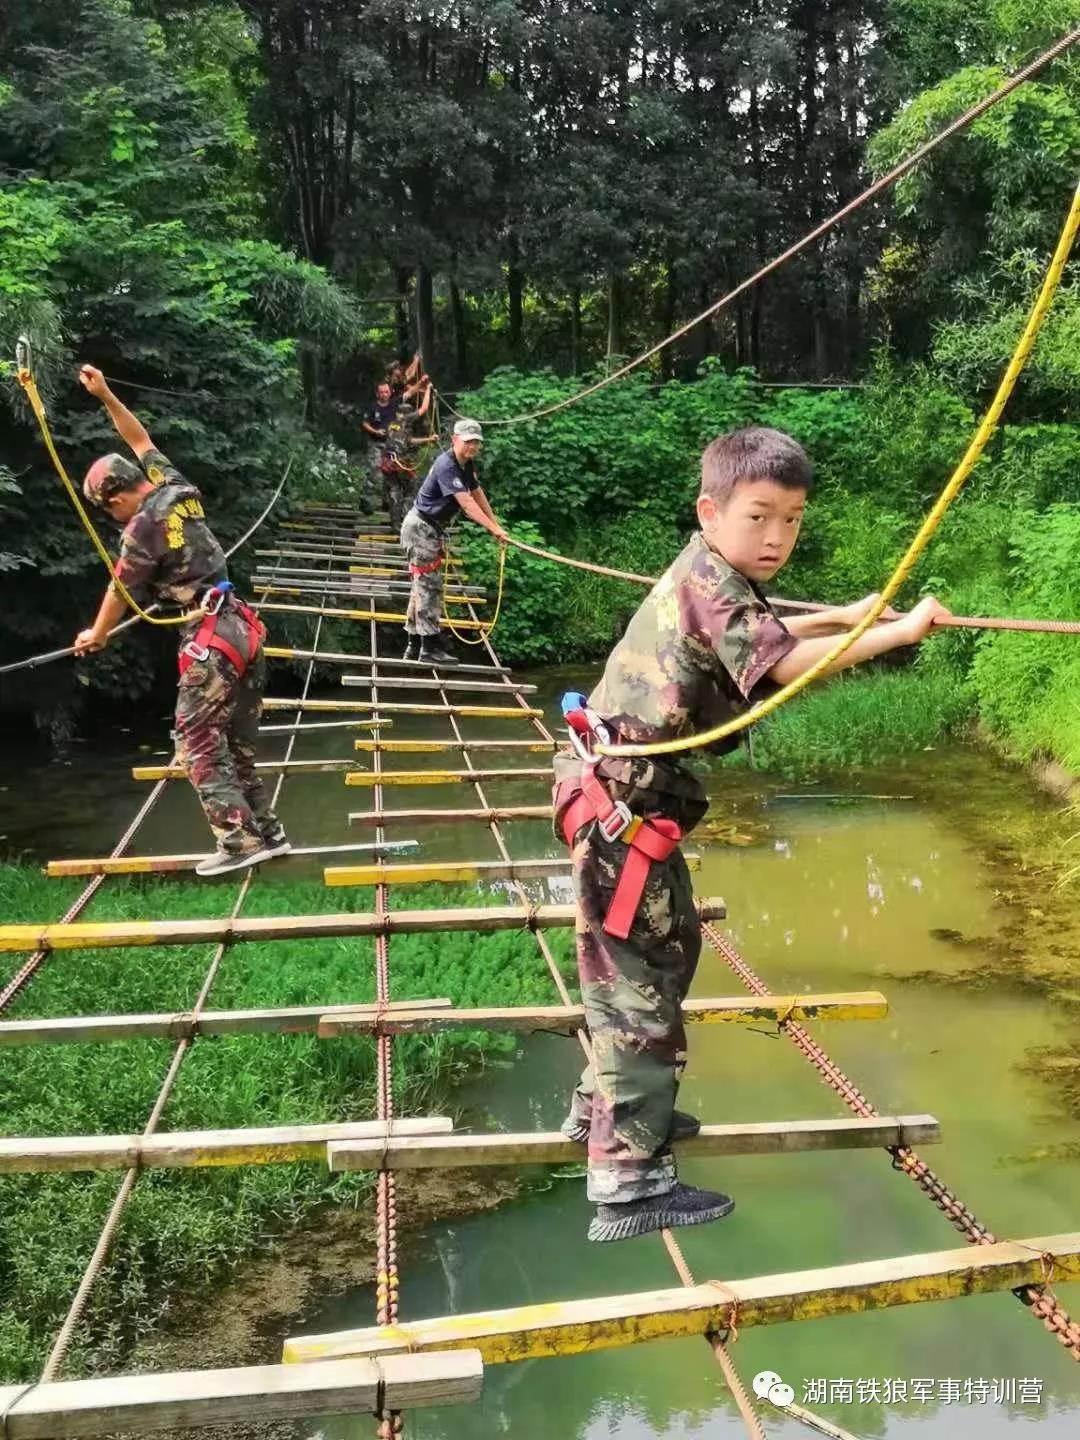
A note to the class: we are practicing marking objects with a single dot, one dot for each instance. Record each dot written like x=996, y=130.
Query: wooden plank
x=359, y=592
x=341, y=657
x=290, y=767
x=197, y=1149
x=167, y=864
x=397, y=580
x=394, y=707
x=183, y=1025
x=107, y=934
x=437, y=747
x=448, y=872
x=449, y=816
x=740, y=1010
x=409, y=682
x=781, y=1137
x=182, y=1399
x=385, y=617
x=570, y=1327
x=325, y=725
x=441, y=777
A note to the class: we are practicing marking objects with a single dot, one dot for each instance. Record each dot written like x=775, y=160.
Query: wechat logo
x=769, y=1386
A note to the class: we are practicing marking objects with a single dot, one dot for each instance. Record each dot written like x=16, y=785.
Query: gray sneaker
x=434, y=652
x=412, y=648
x=223, y=861
x=682, y=1205
x=683, y=1126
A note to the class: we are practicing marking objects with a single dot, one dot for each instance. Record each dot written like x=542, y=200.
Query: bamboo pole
x=442, y=817
x=198, y=1149
x=167, y=864
x=247, y=1394
x=106, y=934
x=383, y=592
x=186, y=1024
x=781, y=1137
x=441, y=777
x=570, y=1327
x=739, y=1010
x=395, y=707
x=341, y=657
x=451, y=872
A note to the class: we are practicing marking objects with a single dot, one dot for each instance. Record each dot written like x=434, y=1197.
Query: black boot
x=682, y=1205
x=412, y=649
x=434, y=652
x=683, y=1126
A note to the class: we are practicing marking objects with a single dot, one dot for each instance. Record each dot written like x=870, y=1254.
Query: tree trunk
x=615, y=335
x=461, y=353
x=515, y=286
x=425, y=317
x=575, y=329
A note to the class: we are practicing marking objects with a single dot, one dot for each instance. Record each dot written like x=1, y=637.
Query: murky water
x=826, y=897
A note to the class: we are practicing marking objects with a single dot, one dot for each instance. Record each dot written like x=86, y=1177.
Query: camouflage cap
x=108, y=476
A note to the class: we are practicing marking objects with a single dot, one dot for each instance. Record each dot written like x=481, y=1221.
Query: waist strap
x=206, y=637
x=429, y=567
x=646, y=841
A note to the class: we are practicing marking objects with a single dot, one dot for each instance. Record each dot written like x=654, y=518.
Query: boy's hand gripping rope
x=25, y=375
x=923, y=536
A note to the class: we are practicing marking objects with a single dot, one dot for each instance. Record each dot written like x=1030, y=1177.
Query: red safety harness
x=429, y=567
x=647, y=839
x=206, y=637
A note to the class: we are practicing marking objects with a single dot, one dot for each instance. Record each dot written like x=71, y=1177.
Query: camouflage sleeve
x=741, y=630
x=141, y=550
x=159, y=468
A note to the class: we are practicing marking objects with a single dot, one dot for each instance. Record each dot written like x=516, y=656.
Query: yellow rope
x=922, y=538
x=26, y=380
x=486, y=631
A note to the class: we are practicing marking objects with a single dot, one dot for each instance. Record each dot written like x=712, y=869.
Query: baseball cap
x=108, y=476
x=468, y=430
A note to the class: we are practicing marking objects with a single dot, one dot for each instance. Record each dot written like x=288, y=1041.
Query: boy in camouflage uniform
x=398, y=461
x=169, y=552
x=703, y=646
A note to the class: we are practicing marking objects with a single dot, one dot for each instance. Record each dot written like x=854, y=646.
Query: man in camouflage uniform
x=169, y=553
x=704, y=645
x=450, y=487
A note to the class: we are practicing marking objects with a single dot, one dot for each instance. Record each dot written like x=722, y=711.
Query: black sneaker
x=683, y=1205
x=683, y=1126
x=412, y=649
x=434, y=652
x=276, y=843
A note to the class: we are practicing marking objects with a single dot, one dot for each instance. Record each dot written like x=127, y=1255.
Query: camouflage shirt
x=696, y=653
x=400, y=429
x=168, y=552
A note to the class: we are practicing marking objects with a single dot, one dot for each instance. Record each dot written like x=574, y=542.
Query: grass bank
x=184, y=1228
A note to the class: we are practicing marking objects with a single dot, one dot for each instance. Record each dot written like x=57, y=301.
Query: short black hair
x=754, y=453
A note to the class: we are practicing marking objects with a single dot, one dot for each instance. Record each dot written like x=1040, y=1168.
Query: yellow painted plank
x=292, y=767
x=570, y=1327
x=310, y=590
x=437, y=747
x=441, y=777
x=386, y=617
x=168, y=864
x=737, y=1010
x=445, y=872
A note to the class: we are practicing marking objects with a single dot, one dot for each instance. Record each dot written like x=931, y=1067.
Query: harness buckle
x=618, y=821
x=199, y=653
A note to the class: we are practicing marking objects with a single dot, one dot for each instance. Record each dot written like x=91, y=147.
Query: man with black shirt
x=377, y=418
x=449, y=487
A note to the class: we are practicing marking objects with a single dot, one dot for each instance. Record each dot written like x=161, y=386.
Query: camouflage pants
x=217, y=723
x=399, y=490
x=632, y=991
x=371, y=487
x=423, y=544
